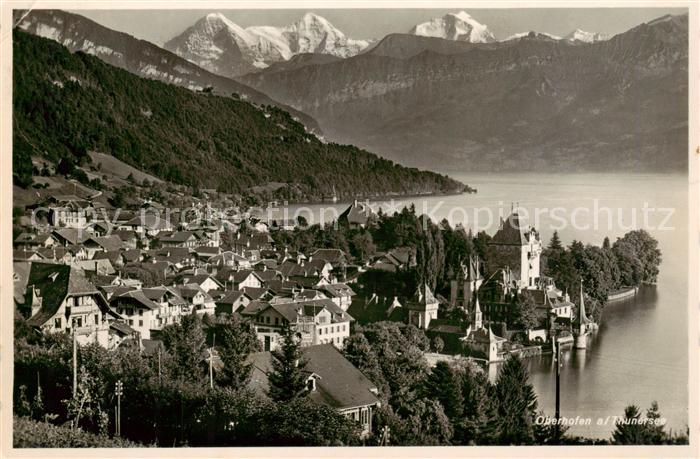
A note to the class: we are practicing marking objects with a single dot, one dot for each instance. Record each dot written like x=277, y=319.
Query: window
x=78, y=322
x=97, y=319
x=320, y=331
x=277, y=320
x=140, y=312
x=57, y=322
x=140, y=323
x=267, y=319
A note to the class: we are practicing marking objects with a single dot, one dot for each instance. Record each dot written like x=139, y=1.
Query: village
x=119, y=281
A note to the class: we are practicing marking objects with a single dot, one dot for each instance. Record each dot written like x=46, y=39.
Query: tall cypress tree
x=287, y=381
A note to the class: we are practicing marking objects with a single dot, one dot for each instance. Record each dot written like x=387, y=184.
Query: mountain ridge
x=522, y=104
x=137, y=56
x=68, y=104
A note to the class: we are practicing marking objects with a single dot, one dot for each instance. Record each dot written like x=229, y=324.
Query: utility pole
x=211, y=369
x=75, y=365
x=119, y=390
x=211, y=362
x=557, y=413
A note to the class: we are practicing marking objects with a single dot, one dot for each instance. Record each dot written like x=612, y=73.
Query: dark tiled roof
x=358, y=214
x=510, y=232
x=340, y=384
x=137, y=297
x=332, y=256
x=55, y=283
x=338, y=290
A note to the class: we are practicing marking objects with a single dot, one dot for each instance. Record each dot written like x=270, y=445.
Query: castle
x=518, y=249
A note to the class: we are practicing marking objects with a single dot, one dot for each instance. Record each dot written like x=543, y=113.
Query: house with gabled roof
x=60, y=298
x=331, y=381
x=358, y=215
x=138, y=311
x=179, y=239
x=318, y=321
x=336, y=257
x=340, y=294
x=232, y=301
x=201, y=301
x=69, y=236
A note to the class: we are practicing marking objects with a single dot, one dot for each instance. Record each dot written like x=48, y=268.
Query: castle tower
x=518, y=248
x=583, y=323
x=423, y=307
x=465, y=283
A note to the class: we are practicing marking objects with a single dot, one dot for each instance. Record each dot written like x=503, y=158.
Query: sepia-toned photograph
x=282, y=225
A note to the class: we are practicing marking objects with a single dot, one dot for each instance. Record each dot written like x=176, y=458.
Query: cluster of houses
x=119, y=280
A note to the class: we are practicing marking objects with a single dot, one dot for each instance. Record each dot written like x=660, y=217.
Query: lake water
x=640, y=353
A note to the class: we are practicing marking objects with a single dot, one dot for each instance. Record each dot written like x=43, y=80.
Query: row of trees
x=450, y=404
x=439, y=248
x=167, y=398
x=630, y=261
x=168, y=402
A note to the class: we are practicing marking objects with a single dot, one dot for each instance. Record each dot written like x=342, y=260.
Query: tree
x=300, y=422
x=85, y=403
x=186, y=342
x=516, y=404
x=420, y=423
x=629, y=431
x=525, y=314
x=287, y=381
x=235, y=340
x=359, y=352
x=555, y=242
x=363, y=245
x=635, y=430
x=444, y=386
x=642, y=246
x=479, y=409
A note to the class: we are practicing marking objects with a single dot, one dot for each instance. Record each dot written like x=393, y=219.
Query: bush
x=28, y=433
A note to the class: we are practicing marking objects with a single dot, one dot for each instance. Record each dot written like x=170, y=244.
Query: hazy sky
x=158, y=26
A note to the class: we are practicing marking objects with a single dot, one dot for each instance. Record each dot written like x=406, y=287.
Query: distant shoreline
x=383, y=197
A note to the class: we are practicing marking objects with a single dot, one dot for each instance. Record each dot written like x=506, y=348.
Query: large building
x=518, y=248
x=318, y=321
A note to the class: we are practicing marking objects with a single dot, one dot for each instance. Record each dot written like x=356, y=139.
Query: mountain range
x=218, y=44
x=446, y=95
x=533, y=103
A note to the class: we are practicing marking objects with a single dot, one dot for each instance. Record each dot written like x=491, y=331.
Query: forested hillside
x=68, y=104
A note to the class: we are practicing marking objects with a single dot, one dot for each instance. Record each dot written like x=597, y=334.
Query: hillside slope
x=68, y=104
x=140, y=57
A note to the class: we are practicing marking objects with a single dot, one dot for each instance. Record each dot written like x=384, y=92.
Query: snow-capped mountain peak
x=534, y=35
x=586, y=37
x=455, y=26
x=218, y=44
